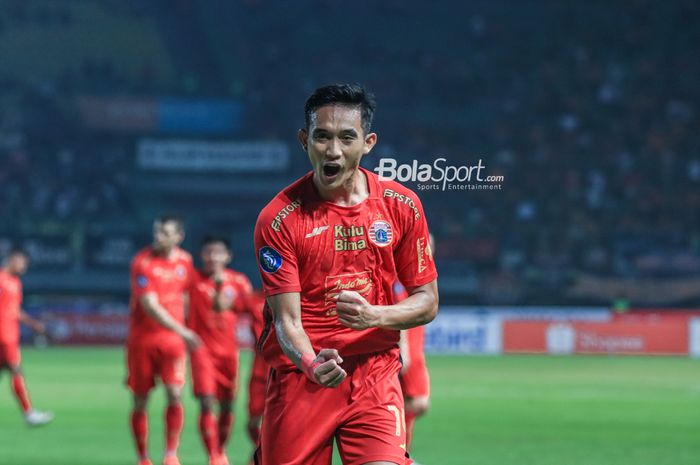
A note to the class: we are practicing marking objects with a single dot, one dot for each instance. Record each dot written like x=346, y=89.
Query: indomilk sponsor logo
x=439, y=175
x=359, y=282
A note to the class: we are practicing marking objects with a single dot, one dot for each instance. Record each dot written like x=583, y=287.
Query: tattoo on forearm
x=287, y=344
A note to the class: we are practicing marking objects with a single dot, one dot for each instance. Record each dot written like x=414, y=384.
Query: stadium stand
x=589, y=119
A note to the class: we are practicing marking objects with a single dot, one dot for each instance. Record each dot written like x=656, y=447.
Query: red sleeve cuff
x=420, y=282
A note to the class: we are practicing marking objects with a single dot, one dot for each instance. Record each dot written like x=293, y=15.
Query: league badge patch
x=270, y=259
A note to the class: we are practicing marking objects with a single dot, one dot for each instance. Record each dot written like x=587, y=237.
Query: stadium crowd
x=587, y=115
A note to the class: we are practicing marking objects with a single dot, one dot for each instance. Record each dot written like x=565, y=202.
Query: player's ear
x=370, y=141
x=303, y=137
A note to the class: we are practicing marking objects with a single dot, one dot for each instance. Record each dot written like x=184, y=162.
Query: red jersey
x=257, y=384
x=169, y=279
x=10, y=305
x=256, y=303
x=308, y=245
x=217, y=329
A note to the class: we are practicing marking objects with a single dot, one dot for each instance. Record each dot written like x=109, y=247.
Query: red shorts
x=364, y=414
x=164, y=359
x=9, y=354
x=214, y=375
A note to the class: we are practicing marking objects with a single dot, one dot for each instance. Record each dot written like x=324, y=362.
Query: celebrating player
x=330, y=247
x=156, y=345
x=215, y=293
x=11, y=315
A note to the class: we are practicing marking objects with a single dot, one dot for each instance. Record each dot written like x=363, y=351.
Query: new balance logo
x=317, y=231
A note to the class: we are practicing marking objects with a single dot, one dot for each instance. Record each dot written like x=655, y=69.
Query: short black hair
x=17, y=250
x=14, y=251
x=353, y=95
x=216, y=239
x=171, y=217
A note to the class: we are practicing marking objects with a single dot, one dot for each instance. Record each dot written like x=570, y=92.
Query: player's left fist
x=355, y=312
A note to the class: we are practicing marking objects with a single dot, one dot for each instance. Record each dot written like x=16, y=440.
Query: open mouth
x=330, y=170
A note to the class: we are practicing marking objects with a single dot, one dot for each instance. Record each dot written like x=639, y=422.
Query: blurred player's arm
x=156, y=311
x=36, y=325
x=220, y=301
x=186, y=303
x=419, y=308
x=323, y=368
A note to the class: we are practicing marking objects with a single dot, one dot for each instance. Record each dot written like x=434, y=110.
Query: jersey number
x=400, y=418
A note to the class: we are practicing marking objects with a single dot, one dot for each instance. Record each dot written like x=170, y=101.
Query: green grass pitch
x=513, y=410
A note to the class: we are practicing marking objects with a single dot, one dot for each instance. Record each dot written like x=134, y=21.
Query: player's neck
x=352, y=192
x=167, y=254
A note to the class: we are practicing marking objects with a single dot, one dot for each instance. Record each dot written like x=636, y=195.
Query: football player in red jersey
x=11, y=315
x=216, y=294
x=158, y=338
x=330, y=247
x=260, y=369
x=415, y=380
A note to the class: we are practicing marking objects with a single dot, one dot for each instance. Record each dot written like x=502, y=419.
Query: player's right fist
x=325, y=368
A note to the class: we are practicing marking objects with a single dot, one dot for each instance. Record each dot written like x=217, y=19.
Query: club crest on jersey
x=381, y=233
x=141, y=281
x=229, y=293
x=180, y=271
x=270, y=259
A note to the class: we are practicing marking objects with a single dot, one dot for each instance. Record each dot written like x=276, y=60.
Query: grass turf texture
x=515, y=410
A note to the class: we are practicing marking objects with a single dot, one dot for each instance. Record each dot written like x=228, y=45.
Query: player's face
x=166, y=236
x=335, y=144
x=215, y=256
x=18, y=264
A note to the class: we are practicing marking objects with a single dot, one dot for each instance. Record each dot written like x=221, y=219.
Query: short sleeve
x=142, y=281
x=413, y=256
x=276, y=256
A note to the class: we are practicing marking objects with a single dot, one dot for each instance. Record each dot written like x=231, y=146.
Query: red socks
x=207, y=429
x=139, y=429
x=174, y=418
x=225, y=421
x=21, y=393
